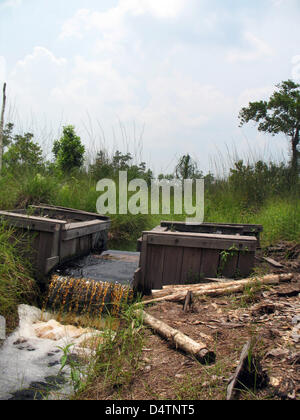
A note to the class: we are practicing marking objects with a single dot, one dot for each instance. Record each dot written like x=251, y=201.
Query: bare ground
x=269, y=314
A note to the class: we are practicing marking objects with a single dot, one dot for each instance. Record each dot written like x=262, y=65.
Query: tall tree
x=280, y=114
x=2, y=124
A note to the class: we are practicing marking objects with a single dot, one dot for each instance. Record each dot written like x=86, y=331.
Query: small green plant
x=225, y=256
x=251, y=293
x=75, y=366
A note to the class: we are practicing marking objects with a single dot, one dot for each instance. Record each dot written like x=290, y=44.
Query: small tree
x=22, y=151
x=187, y=168
x=69, y=151
x=280, y=114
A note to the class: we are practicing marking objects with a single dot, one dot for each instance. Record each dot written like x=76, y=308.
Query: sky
x=160, y=78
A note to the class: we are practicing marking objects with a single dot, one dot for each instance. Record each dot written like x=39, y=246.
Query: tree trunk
x=295, y=154
x=2, y=125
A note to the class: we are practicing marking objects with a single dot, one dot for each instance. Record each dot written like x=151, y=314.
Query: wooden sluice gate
x=179, y=253
x=174, y=253
x=58, y=234
x=94, y=285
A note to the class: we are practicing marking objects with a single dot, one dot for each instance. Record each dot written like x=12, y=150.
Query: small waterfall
x=82, y=297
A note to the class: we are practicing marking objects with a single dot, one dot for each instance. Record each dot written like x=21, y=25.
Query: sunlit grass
x=16, y=282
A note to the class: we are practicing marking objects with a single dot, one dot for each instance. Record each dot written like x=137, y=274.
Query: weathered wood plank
x=68, y=211
x=143, y=286
x=154, y=267
x=210, y=263
x=199, y=240
x=137, y=278
x=191, y=264
x=172, y=265
x=31, y=222
x=76, y=230
x=229, y=268
x=272, y=262
x=245, y=263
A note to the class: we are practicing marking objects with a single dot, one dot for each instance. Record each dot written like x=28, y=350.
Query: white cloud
x=162, y=9
x=2, y=69
x=179, y=105
x=95, y=83
x=296, y=68
x=33, y=77
x=11, y=4
x=258, y=50
x=253, y=95
x=39, y=54
x=111, y=23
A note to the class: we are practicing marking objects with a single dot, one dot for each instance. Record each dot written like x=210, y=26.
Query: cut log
x=180, y=340
x=168, y=290
x=218, y=289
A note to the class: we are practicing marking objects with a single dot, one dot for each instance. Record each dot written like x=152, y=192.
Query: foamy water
x=26, y=358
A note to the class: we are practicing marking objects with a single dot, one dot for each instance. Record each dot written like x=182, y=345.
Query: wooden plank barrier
x=169, y=258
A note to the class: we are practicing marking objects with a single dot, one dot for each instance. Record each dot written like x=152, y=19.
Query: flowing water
x=30, y=358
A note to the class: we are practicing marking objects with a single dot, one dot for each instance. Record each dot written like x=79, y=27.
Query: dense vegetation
x=258, y=192
x=253, y=192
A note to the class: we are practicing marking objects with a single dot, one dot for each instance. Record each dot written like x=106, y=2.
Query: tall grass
x=117, y=359
x=258, y=193
x=16, y=283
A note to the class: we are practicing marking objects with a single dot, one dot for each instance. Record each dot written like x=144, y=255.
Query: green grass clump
x=117, y=359
x=16, y=284
x=280, y=219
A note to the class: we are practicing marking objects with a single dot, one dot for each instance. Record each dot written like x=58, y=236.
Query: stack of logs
x=183, y=292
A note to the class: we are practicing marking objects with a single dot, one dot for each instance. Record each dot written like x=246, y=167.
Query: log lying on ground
x=178, y=294
x=180, y=340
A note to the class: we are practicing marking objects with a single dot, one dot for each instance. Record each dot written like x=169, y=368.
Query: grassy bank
x=16, y=283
